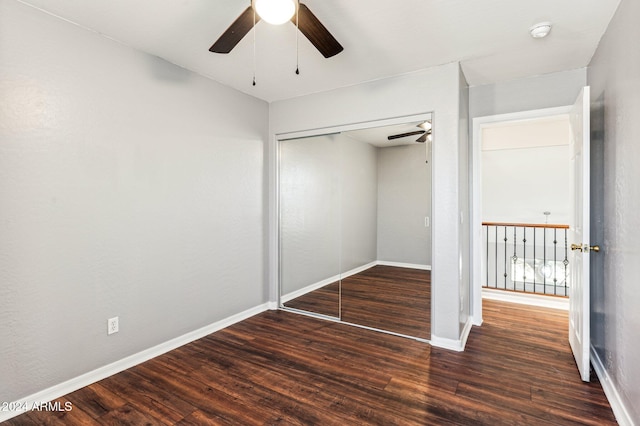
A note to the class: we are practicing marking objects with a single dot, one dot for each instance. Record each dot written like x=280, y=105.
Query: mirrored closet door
x=310, y=225
x=355, y=231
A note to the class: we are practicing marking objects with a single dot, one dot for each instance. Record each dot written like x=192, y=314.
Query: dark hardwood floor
x=324, y=301
x=383, y=297
x=389, y=298
x=282, y=368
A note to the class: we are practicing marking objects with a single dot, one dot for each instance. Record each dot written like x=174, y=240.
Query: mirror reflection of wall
x=310, y=224
x=404, y=205
x=355, y=234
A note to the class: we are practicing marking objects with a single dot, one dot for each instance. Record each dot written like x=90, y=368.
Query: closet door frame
x=275, y=229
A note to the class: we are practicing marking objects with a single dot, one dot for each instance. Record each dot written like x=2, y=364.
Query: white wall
x=519, y=185
x=464, y=204
x=614, y=77
x=310, y=211
x=432, y=90
x=404, y=200
x=128, y=187
x=527, y=94
x=526, y=171
x=359, y=202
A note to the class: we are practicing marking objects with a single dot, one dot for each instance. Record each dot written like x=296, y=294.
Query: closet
x=355, y=228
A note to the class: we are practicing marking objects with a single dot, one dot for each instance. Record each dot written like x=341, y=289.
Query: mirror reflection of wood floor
x=383, y=297
x=282, y=368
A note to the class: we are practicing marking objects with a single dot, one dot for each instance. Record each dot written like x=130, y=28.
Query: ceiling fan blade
x=236, y=32
x=426, y=136
x=404, y=135
x=317, y=33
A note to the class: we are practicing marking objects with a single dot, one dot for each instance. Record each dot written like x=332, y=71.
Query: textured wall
x=310, y=211
x=129, y=187
x=359, y=201
x=328, y=193
x=404, y=199
x=614, y=77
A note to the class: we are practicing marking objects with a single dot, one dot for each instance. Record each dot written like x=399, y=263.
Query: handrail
x=527, y=257
x=526, y=225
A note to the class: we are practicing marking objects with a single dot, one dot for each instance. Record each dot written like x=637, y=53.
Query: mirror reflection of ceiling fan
x=278, y=12
x=425, y=132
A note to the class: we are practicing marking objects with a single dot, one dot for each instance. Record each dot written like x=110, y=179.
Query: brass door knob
x=585, y=248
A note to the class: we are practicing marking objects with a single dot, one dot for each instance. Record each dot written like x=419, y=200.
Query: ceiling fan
x=268, y=10
x=425, y=132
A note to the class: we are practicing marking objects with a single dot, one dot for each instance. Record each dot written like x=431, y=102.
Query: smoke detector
x=540, y=30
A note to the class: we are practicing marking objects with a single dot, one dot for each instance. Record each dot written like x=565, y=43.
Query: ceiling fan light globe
x=426, y=125
x=275, y=12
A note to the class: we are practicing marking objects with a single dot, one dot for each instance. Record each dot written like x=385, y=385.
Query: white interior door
x=579, y=327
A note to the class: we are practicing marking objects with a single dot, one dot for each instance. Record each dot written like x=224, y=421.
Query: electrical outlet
x=112, y=325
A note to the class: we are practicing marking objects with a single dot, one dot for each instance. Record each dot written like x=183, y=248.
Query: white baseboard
x=404, y=265
x=98, y=374
x=476, y=321
x=466, y=331
x=611, y=392
x=315, y=286
x=450, y=344
x=453, y=345
x=527, y=299
x=308, y=289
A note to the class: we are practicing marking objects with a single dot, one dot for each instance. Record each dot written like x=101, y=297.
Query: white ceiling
x=532, y=133
x=381, y=38
x=378, y=136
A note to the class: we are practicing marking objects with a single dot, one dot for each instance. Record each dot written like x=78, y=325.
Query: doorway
x=522, y=176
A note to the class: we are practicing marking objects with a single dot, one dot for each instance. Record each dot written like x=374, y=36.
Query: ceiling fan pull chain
x=297, y=38
x=254, y=47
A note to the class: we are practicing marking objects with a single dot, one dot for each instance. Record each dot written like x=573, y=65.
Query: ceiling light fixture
x=275, y=12
x=540, y=30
